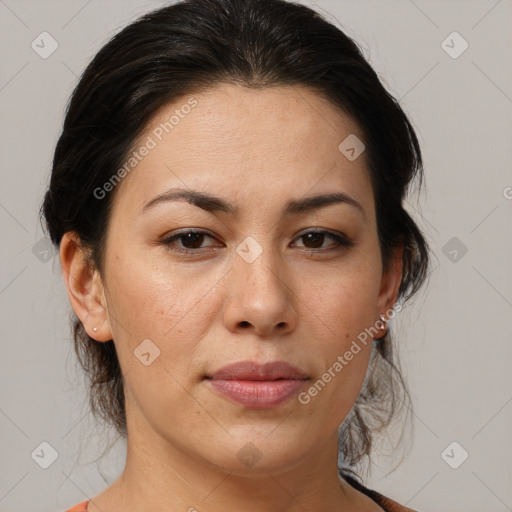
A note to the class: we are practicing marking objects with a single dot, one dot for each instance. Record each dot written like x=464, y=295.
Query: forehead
x=246, y=143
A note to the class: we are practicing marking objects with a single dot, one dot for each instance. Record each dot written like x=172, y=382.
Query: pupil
x=315, y=237
x=193, y=238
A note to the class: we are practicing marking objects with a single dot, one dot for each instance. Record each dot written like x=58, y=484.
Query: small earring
x=94, y=329
x=384, y=328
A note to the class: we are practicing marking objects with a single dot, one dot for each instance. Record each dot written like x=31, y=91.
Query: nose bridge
x=259, y=293
x=260, y=268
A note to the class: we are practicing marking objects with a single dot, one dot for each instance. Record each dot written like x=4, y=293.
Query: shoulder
x=81, y=507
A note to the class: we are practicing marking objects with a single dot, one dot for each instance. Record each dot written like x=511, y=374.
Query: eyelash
x=341, y=240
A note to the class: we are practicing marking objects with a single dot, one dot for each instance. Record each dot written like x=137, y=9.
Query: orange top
x=81, y=507
x=387, y=504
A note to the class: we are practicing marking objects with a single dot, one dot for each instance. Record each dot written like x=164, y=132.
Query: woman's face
x=253, y=286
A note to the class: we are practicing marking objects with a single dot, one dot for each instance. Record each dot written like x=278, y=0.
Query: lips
x=258, y=386
x=250, y=370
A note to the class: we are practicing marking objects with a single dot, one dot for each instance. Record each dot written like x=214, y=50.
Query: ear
x=84, y=287
x=390, y=282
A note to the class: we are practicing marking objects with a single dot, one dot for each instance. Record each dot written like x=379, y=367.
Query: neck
x=169, y=478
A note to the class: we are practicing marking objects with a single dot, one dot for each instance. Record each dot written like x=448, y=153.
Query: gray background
x=454, y=339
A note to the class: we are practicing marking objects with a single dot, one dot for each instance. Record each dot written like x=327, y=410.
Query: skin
x=256, y=149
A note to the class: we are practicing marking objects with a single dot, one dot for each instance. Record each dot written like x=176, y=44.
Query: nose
x=260, y=297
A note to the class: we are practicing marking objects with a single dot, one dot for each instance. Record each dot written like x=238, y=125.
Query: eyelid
x=167, y=239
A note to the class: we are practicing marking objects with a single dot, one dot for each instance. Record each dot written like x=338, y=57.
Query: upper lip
x=251, y=370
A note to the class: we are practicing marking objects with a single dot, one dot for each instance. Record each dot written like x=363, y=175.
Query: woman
x=227, y=198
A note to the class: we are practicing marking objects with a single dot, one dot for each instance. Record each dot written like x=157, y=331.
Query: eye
x=191, y=241
x=316, y=238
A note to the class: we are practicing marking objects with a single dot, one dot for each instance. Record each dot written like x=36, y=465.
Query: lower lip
x=258, y=394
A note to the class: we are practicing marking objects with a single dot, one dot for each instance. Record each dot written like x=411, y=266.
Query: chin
x=253, y=453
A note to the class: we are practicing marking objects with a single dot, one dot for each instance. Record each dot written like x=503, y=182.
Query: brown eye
x=314, y=240
x=191, y=241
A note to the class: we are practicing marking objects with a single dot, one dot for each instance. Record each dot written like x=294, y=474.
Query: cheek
x=346, y=346
x=147, y=299
x=343, y=298
x=341, y=308
x=158, y=324
x=342, y=348
x=170, y=310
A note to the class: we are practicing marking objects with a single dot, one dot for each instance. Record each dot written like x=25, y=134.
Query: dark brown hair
x=188, y=47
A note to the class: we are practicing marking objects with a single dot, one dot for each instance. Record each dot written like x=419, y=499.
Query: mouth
x=251, y=370
x=258, y=386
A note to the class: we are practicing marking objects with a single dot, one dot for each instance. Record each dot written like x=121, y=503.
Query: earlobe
x=84, y=287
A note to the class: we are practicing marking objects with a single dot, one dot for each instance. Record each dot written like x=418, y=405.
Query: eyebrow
x=213, y=204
